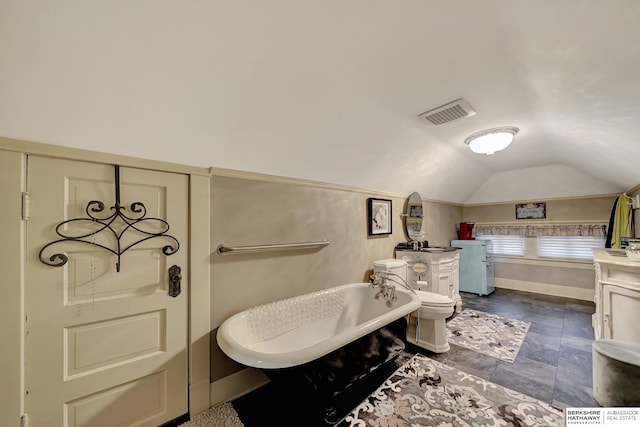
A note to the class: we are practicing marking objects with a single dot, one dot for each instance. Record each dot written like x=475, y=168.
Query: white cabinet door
x=104, y=348
x=448, y=274
x=620, y=313
x=446, y=278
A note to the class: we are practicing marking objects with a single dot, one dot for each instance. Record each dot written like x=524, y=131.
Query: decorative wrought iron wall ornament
x=133, y=222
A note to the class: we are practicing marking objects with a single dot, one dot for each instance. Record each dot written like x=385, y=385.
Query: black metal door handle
x=174, y=281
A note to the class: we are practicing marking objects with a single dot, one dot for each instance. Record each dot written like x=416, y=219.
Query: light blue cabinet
x=476, y=268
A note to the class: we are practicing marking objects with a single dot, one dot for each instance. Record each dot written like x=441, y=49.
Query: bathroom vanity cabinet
x=617, y=297
x=440, y=272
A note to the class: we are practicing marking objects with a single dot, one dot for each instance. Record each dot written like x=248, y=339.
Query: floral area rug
x=424, y=392
x=487, y=333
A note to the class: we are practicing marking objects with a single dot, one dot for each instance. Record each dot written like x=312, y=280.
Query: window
x=504, y=245
x=568, y=247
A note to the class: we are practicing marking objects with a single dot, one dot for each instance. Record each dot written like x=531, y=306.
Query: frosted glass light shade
x=491, y=140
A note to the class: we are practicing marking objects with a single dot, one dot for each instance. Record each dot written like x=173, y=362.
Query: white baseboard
x=546, y=289
x=236, y=385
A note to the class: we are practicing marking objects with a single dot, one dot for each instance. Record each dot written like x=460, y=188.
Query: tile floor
x=554, y=362
x=553, y=365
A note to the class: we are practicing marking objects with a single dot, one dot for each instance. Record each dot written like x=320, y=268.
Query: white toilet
x=430, y=324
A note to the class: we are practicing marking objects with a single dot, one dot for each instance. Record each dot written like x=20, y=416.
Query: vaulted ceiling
x=331, y=90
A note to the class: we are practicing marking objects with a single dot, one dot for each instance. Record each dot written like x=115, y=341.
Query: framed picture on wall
x=531, y=210
x=379, y=216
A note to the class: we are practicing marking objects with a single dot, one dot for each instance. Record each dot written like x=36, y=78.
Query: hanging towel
x=612, y=218
x=621, y=222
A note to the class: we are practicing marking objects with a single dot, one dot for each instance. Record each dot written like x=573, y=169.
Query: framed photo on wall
x=379, y=216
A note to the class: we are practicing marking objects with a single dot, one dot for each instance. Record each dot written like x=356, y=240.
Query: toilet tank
x=396, y=266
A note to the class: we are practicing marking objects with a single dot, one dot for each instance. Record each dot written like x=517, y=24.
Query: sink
x=439, y=249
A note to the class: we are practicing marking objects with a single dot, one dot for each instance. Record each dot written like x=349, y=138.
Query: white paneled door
x=104, y=348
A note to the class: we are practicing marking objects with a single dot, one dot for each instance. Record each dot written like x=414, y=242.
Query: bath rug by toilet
x=424, y=392
x=217, y=416
x=487, y=333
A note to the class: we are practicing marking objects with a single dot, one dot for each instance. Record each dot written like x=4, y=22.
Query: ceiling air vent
x=446, y=113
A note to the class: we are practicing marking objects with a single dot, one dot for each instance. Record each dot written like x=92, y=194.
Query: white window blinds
x=568, y=247
x=504, y=245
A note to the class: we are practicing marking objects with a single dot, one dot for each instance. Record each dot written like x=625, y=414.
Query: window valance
x=535, y=230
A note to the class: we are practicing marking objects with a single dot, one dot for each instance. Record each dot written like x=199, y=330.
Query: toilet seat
x=430, y=299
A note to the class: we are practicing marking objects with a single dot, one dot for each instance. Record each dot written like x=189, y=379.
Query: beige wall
x=558, y=210
x=11, y=228
x=255, y=211
x=440, y=222
x=544, y=274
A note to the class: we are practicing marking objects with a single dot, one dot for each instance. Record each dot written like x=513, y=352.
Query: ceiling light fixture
x=491, y=140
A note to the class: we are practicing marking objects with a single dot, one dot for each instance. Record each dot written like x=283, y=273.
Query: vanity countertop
x=601, y=255
x=431, y=249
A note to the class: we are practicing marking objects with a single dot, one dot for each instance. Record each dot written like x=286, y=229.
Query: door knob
x=175, y=279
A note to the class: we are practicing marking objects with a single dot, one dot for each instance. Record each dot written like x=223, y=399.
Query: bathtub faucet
x=388, y=290
x=380, y=278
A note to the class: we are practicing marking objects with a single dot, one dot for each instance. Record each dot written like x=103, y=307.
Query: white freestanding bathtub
x=298, y=330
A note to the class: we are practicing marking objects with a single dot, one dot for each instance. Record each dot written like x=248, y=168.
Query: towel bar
x=225, y=250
